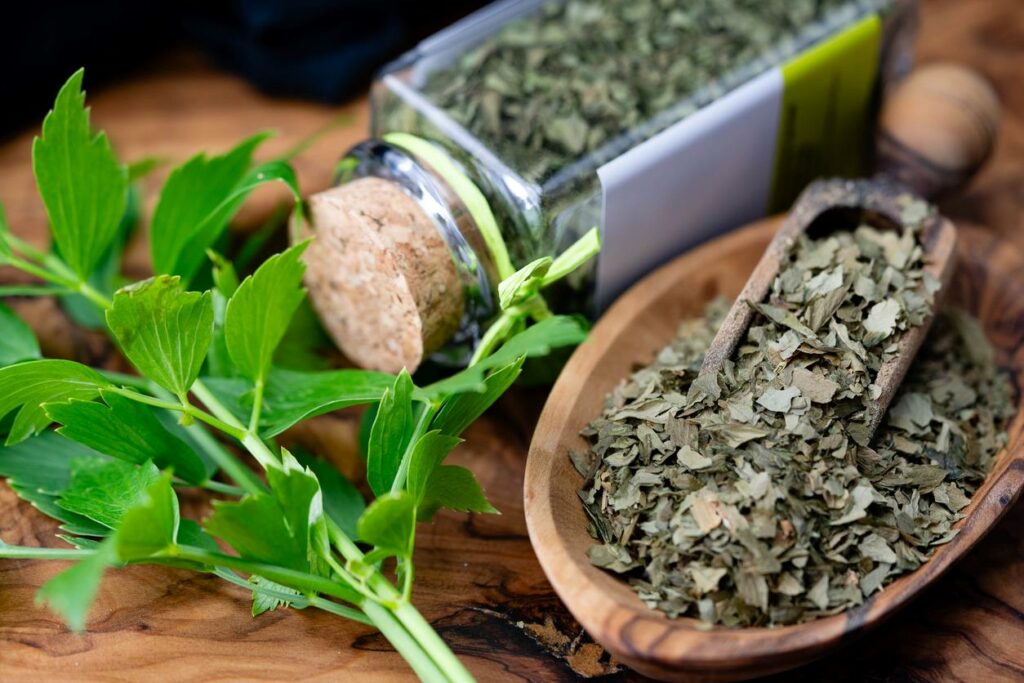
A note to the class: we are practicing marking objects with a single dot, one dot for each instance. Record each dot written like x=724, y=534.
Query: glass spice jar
x=555, y=113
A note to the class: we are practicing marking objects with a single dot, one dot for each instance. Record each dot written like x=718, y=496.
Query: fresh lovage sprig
x=211, y=382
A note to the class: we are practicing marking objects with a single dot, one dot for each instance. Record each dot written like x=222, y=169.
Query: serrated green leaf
x=452, y=487
x=284, y=527
x=291, y=396
x=164, y=331
x=390, y=434
x=71, y=592
x=268, y=596
x=536, y=340
x=25, y=387
x=81, y=182
x=428, y=453
x=128, y=431
x=388, y=523
x=104, y=491
x=259, y=312
x=43, y=463
x=17, y=340
x=71, y=522
x=461, y=410
x=151, y=525
x=194, y=201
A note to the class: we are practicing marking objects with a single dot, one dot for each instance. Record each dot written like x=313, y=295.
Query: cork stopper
x=380, y=275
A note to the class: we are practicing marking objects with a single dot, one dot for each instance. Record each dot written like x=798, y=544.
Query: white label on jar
x=708, y=173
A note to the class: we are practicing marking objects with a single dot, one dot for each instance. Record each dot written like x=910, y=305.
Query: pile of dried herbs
x=753, y=498
x=552, y=86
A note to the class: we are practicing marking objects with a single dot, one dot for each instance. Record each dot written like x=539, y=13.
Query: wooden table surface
x=478, y=581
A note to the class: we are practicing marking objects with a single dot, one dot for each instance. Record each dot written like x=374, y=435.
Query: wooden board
x=478, y=581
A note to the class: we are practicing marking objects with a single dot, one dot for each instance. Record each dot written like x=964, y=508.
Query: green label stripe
x=826, y=111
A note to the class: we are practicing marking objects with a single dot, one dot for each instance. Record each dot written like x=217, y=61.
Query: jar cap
x=380, y=275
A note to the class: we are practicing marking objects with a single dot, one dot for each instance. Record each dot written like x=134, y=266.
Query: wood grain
x=478, y=582
x=989, y=282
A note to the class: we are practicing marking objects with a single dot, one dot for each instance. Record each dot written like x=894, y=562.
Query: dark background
x=324, y=50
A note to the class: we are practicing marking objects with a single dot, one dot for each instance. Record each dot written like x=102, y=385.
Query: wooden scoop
x=958, y=141
x=853, y=202
x=646, y=318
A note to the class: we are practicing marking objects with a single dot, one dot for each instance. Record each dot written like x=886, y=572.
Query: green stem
x=186, y=408
x=430, y=641
x=18, y=552
x=300, y=601
x=214, y=405
x=221, y=487
x=412, y=651
x=32, y=290
x=257, y=406
x=41, y=273
x=224, y=458
x=428, y=411
x=292, y=578
x=494, y=335
x=90, y=293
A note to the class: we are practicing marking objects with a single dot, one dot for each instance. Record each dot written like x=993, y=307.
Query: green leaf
x=259, y=312
x=388, y=523
x=164, y=331
x=106, y=275
x=129, y=431
x=38, y=470
x=342, y=501
x=71, y=592
x=193, y=201
x=267, y=596
x=17, y=341
x=536, y=340
x=104, y=491
x=428, y=453
x=455, y=488
x=523, y=284
x=292, y=396
x=461, y=410
x=284, y=527
x=25, y=387
x=43, y=463
x=150, y=527
x=81, y=182
x=390, y=434
x=200, y=198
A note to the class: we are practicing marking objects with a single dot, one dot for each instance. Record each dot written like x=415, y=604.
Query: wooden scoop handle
x=955, y=142
x=937, y=128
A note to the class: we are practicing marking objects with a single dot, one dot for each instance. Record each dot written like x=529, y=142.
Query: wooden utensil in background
x=959, y=110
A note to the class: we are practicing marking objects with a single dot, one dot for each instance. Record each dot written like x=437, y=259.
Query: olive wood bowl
x=989, y=283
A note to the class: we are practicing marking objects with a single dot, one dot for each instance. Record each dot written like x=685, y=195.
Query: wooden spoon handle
x=937, y=128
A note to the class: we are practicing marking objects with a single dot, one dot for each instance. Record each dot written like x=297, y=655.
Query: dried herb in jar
x=561, y=82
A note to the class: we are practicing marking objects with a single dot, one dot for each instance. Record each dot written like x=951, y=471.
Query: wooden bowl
x=989, y=282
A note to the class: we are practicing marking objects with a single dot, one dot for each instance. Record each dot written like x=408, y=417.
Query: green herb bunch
x=210, y=385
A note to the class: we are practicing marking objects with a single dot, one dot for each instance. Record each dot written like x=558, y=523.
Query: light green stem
x=411, y=650
x=18, y=552
x=427, y=414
